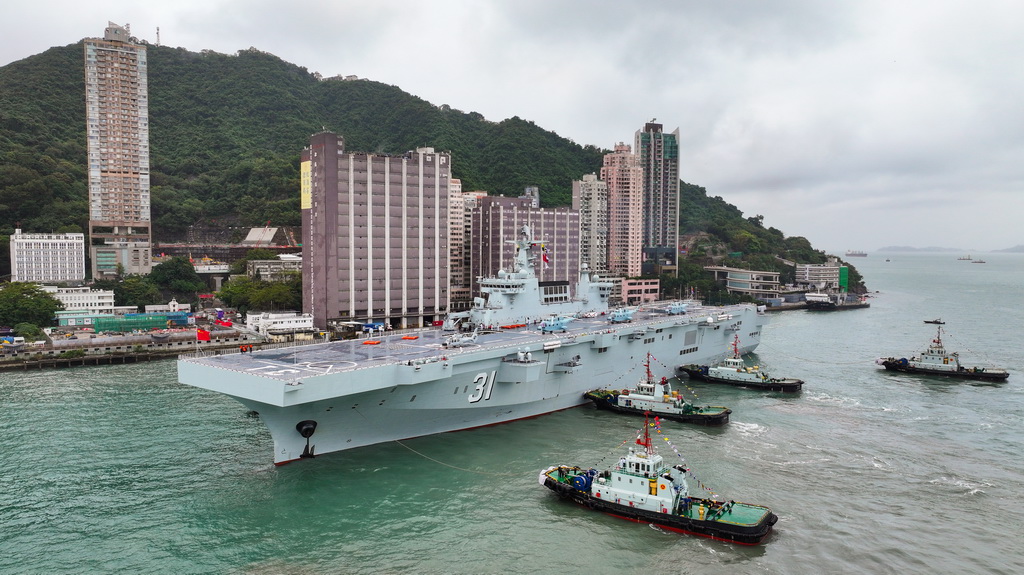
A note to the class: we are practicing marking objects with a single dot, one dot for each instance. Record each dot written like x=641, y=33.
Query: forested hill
x=226, y=132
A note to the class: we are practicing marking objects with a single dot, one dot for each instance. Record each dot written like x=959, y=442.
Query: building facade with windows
x=497, y=221
x=623, y=175
x=658, y=155
x=757, y=284
x=461, y=207
x=590, y=199
x=828, y=275
x=117, y=128
x=375, y=234
x=83, y=299
x=41, y=258
x=638, y=291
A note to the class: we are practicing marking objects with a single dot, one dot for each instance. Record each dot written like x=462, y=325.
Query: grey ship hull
x=360, y=394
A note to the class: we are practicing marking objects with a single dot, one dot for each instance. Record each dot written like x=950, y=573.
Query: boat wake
x=749, y=429
x=960, y=485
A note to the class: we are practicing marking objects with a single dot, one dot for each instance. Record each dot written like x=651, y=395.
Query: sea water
x=122, y=469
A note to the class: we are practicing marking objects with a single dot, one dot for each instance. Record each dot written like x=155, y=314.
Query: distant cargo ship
x=856, y=254
x=321, y=398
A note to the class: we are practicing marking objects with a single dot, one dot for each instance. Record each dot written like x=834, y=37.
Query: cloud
x=851, y=123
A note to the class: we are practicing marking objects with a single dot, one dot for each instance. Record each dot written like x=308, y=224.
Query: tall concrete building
x=497, y=221
x=460, y=206
x=117, y=127
x=590, y=199
x=42, y=258
x=375, y=235
x=658, y=153
x=622, y=173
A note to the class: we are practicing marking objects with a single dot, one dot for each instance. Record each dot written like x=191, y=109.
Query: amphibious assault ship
x=491, y=364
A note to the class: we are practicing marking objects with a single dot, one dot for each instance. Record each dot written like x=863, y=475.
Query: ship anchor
x=306, y=429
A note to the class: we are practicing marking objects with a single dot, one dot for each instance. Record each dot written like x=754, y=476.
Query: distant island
x=1018, y=249
x=912, y=249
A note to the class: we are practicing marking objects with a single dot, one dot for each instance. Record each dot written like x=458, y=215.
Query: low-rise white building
x=268, y=323
x=42, y=258
x=820, y=276
x=83, y=299
x=273, y=270
x=755, y=283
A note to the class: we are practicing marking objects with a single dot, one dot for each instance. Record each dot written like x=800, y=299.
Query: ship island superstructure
x=485, y=366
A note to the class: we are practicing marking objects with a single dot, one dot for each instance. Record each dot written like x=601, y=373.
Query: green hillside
x=226, y=132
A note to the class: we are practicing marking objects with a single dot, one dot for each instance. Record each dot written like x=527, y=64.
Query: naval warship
x=494, y=363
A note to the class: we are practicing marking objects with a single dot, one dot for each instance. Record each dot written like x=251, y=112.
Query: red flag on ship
x=202, y=334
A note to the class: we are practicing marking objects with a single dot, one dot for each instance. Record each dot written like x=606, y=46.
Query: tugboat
x=734, y=371
x=643, y=488
x=937, y=361
x=659, y=398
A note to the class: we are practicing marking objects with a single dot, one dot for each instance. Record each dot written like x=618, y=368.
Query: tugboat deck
x=741, y=514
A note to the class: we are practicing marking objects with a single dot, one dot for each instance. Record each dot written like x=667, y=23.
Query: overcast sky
x=856, y=124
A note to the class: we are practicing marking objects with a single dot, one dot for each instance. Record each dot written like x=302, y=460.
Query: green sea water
x=120, y=469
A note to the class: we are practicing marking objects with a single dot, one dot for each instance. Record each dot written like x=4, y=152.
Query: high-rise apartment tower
x=590, y=199
x=117, y=127
x=624, y=177
x=658, y=153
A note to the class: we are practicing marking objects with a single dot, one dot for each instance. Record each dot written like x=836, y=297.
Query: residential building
x=375, y=234
x=497, y=221
x=458, y=282
x=590, y=199
x=658, y=155
x=460, y=206
x=757, y=284
x=117, y=128
x=47, y=257
x=623, y=176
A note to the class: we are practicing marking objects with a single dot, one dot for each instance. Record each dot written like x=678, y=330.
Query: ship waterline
x=357, y=393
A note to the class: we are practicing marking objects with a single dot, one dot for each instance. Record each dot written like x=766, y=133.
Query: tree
x=137, y=291
x=236, y=292
x=29, y=331
x=27, y=303
x=273, y=296
x=177, y=274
